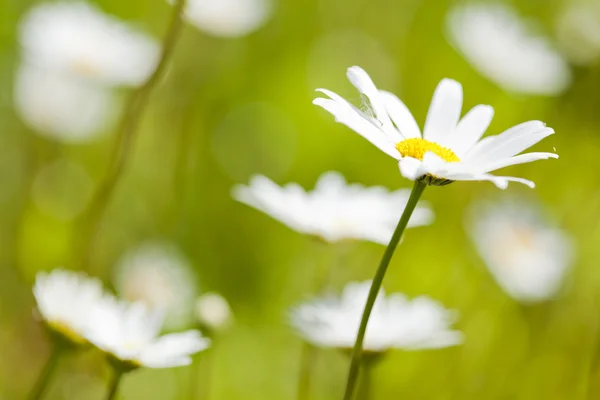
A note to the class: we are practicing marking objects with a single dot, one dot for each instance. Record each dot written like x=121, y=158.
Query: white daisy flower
x=526, y=255
x=78, y=39
x=334, y=210
x=213, y=312
x=578, y=32
x=61, y=107
x=157, y=275
x=450, y=148
x=129, y=334
x=396, y=321
x=506, y=49
x=227, y=18
x=65, y=302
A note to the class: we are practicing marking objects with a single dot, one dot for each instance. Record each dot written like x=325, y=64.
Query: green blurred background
x=230, y=108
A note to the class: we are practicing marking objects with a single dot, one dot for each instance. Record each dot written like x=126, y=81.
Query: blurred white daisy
x=578, y=32
x=396, y=321
x=78, y=39
x=65, y=108
x=213, y=312
x=228, y=18
x=507, y=49
x=65, y=302
x=527, y=256
x=334, y=210
x=129, y=333
x=450, y=148
x=158, y=275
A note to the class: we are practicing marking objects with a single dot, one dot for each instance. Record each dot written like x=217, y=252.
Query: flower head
x=66, y=300
x=506, y=49
x=213, y=312
x=157, y=275
x=334, y=210
x=129, y=333
x=527, y=256
x=450, y=148
x=77, y=39
x=396, y=321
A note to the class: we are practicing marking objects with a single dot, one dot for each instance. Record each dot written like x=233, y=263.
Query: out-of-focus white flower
x=334, y=210
x=578, y=33
x=506, y=49
x=396, y=321
x=66, y=108
x=66, y=302
x=129, y=334
x=450, y=148
x=227, y=18
x=213, y=312
x=76, y=38
x=526, y=255
x=157, y=275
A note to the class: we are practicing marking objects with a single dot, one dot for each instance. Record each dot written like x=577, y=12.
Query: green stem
x=45, y=376
x=125, y=136
x=114, y=384
x=376, y=285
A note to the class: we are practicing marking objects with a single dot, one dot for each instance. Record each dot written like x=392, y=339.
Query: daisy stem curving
x=114, y=383
x=376, y=286
x=125, y=136
x=45, y=376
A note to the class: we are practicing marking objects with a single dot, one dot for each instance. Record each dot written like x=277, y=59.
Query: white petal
x=411, y=168
x=347, y=114
x=362, y=81
x=444, y=112
x=174, y=346
x=471, y=128
x=401, y=116
x=520, y=159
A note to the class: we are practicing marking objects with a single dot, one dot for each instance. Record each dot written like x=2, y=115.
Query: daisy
x=129, y=334
x=578, y=32
x=213, y=312
x=228, y=18
x=334, y=210
x=506, y=49
x=450, y=148
x=65, y=108
x=526, y=255
x=65, y=302
x=396, y=321
x=157, y=275
x=78, y=39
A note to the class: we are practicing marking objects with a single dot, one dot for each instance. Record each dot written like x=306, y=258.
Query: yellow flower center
x=417, y=147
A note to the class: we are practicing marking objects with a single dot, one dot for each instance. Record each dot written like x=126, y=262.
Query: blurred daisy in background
x=450, y=148
x=66, y=302
x=507, y=49
x=130, y=336
x=213, y=313
x=61, y=107
x=334, y=210
x=78, y=39
x=578, y=33
x=396, y=321
x=527, y=255
x=228, y=18
x=157, y=275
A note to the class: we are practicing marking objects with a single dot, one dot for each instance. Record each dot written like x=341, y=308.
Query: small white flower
x=66, y=300
x=61, y=107
x=213, y=311
x=228, y=18
x=129, y=334
x=76, y=38
x=396, y=321
x=157, y=275
x=334, y=210
x=526, y=255
x=450, y=148
x=506, y=49
x=578, y=32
